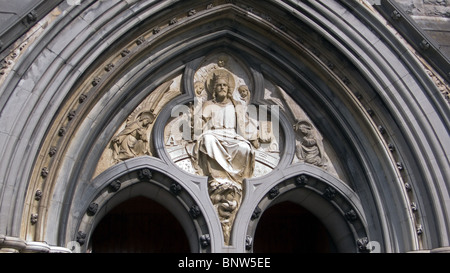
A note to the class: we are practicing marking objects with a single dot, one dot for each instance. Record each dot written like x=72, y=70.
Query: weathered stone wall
x=433, y=16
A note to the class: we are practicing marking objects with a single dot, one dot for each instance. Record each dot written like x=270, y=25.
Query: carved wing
x=151, y=103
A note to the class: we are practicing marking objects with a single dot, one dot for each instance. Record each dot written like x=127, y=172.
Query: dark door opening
x=289, y=228
x=139, y=225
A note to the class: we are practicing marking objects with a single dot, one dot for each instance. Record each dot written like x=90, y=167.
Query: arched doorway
x=289, y=228
x=139, y=225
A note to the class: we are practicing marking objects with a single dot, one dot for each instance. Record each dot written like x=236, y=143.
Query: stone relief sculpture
x=223, y=154
x=310, y=147
x=132, y=140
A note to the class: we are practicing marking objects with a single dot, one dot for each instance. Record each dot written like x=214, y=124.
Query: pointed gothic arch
x=363, y=89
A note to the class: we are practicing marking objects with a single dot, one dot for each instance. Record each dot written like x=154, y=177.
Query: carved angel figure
x=132, y=140
x=309, y=148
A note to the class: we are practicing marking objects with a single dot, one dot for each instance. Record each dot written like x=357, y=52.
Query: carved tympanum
x=222, y=134
x=132, y=139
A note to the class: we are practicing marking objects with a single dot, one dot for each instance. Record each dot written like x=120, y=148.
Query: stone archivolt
x=133, y=138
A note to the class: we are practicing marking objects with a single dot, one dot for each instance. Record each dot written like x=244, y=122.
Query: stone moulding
x=10, y=244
